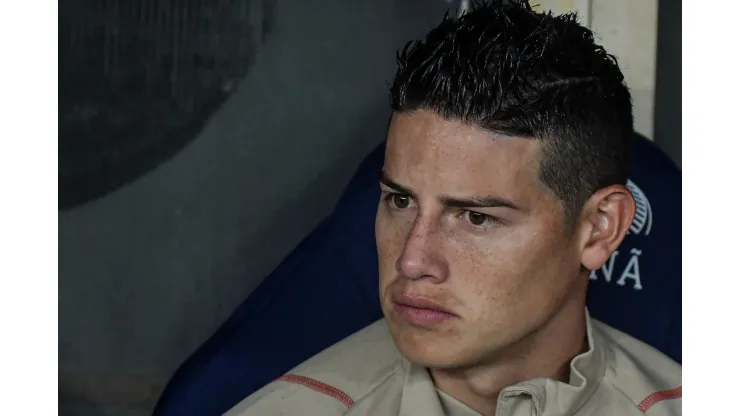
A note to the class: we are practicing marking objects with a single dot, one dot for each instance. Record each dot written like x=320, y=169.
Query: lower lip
x=422, y=317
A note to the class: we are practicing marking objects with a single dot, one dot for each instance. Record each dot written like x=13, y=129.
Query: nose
x=422, y=256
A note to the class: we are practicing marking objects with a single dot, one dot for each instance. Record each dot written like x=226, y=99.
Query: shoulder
x=332, y=381
x=640, y=373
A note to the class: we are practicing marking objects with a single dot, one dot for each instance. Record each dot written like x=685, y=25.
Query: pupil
x=401, y=201
x=476, y=218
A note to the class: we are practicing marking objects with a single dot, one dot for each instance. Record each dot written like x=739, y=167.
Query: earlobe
x=606, y=217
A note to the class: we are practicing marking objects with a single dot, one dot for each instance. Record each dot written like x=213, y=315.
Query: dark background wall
x=668, y=79
x=148, y=270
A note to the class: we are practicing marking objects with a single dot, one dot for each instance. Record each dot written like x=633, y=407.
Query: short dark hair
x=511, y=70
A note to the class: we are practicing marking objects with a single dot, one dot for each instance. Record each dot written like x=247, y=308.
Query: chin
x=437, y=357
x=428, y=349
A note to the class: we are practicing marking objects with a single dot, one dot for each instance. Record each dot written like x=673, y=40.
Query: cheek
x=485, y=277
x=498, y=274
x=390, y=236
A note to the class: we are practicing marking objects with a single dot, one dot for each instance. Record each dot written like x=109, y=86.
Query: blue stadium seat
x=326, y=289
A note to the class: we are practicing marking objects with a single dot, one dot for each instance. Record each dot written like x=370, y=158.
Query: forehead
x=425, y=150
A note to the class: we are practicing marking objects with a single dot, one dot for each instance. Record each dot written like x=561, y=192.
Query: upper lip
x=420, y=303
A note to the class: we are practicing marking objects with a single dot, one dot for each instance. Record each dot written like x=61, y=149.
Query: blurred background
x=201, y=140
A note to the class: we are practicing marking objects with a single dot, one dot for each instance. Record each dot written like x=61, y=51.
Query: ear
x=604, y=221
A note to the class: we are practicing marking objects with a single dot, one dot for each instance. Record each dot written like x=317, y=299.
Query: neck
x=545, y=353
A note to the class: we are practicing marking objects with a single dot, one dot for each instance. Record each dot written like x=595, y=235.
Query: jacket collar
x=541, y=397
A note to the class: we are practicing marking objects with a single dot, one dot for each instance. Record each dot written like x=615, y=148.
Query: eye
x=479, y=220
x=399, y=201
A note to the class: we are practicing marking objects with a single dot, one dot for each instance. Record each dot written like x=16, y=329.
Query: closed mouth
x=421, y=303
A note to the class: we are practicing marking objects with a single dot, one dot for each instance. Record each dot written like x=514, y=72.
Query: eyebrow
x=387, y=181
x=470, y=202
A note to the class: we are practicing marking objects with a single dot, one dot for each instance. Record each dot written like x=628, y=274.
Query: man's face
x=464, y=225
